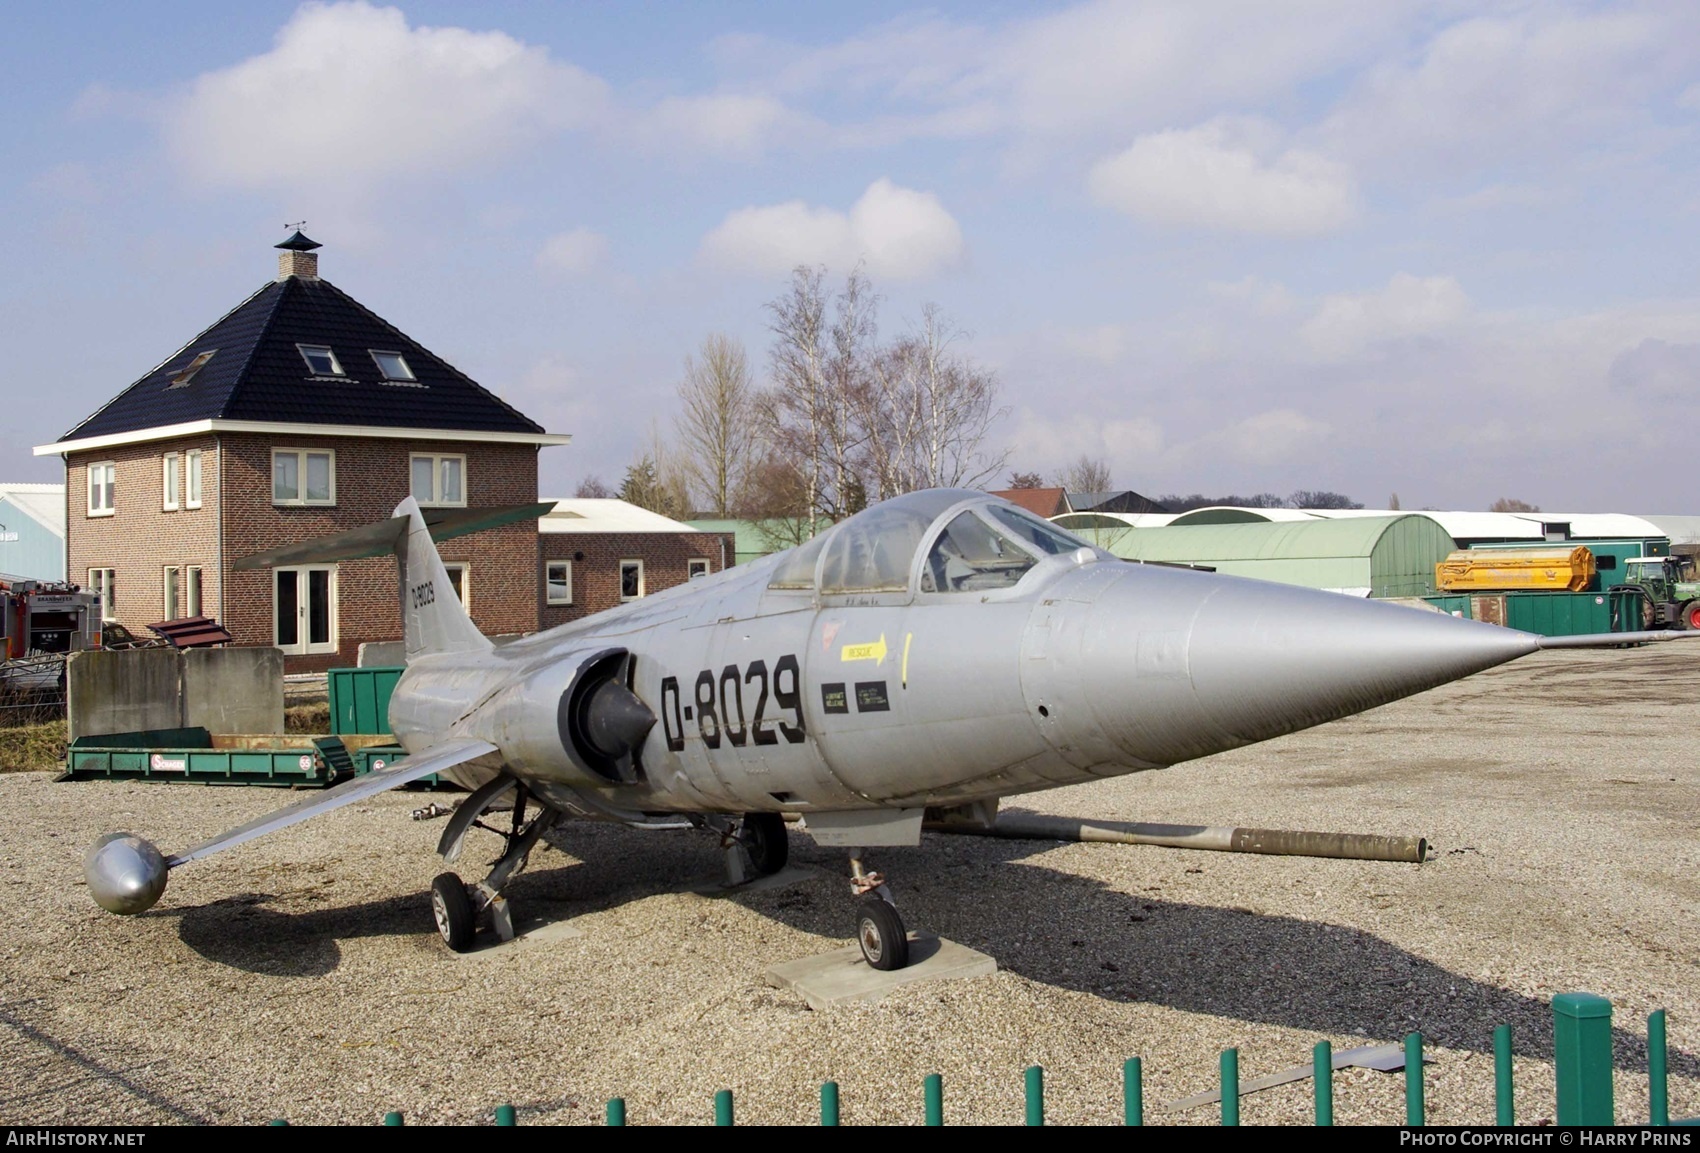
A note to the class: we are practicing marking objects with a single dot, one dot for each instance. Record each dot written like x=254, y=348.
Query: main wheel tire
x=880, y=933
x=452, y=909
x=1690, y=616
x=766, y=841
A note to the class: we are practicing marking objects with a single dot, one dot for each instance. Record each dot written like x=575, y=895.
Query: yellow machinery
x=1569, y=569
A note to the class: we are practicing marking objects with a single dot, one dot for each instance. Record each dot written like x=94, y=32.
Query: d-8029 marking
x=719, y=698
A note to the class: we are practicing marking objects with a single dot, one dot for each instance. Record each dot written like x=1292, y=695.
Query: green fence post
x=1582, y=1059
x=616, y=1110
x=392, y=1118
x=935, y=1099
x=1658, y=1087
x=1035, y=1095
x=1504, y=1102
x=723, y=1107
x=1414, y=1111
x=1133, y=1092
x=1230, y=1086
x=505, y=1115
x=829, y=1103
x=1322, y=1071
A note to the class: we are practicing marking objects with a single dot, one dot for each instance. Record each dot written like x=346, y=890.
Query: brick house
x=600, y=553
x=299, y=413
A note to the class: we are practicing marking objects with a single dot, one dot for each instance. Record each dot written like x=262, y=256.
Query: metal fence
x=1582, y=1063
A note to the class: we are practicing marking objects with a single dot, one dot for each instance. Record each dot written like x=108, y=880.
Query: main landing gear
x=879, y=928
x=755, y=841
x=457, y=906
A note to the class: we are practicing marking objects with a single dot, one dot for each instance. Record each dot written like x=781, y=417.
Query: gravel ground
x=300, y=976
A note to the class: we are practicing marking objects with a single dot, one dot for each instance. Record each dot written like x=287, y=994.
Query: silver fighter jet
x=938, y=651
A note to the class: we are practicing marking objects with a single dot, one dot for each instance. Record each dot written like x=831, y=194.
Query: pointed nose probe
x=1176, y=664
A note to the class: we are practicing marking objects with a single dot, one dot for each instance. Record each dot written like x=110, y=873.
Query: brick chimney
x=297, y=258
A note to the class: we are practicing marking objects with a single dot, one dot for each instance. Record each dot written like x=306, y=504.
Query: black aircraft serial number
x=423, y=594
x=719, y=704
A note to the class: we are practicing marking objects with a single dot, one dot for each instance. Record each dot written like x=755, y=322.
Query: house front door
x=304, y=608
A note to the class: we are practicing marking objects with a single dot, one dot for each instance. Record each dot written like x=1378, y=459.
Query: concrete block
x=842, y=975
x=783, y=879
x=234, y=690
x=381, y=655
x=123, y=691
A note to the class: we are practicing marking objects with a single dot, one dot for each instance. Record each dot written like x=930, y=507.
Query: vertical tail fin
x=432, y=617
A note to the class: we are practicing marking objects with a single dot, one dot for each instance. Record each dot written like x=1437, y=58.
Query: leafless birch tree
x=715, y=424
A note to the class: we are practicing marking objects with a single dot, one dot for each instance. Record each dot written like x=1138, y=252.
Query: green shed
x=1391, y=556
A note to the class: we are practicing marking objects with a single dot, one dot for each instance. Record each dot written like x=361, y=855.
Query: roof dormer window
x=321, y=361
x=394, y=367
x=182, y=379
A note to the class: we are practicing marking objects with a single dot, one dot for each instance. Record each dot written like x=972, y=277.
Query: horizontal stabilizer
x=445, y=755
x=380, y=539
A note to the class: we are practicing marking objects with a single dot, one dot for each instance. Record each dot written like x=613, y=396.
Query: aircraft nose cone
x=1270, y=659
x=125, y=874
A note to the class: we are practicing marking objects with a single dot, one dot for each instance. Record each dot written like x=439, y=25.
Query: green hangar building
x=1390, y=556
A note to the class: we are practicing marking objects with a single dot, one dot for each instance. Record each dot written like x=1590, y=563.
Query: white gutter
x=389, y=432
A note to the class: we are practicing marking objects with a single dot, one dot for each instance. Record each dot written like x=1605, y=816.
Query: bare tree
x=928, y=412
x=655, y=482
x=1087, y=474
x=715, y=424
x=593, y=487
x=1393, y=502
x=1026, y=480
x=1321, y=498
x=1512, y=504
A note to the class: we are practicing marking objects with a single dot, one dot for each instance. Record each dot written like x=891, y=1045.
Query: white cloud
x=1207, y=178
x=574, y=253
x=900, y=233
x=1281, y=436
x=1348, y=325
x=1540, y=79
x=723, y=123
x=351, y=94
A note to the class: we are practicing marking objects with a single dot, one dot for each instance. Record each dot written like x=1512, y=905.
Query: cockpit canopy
x=972, y=542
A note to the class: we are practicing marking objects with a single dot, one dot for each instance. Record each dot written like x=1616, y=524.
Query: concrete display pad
x=842, y=975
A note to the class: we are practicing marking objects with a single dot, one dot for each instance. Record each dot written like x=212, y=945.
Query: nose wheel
x=880, y=933
x=879, y=928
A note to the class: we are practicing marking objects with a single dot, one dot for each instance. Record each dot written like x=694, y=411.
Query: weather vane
x=297, y=224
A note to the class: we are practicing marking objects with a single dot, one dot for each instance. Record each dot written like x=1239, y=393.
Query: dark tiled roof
x=1046, y=502
x=258, y=373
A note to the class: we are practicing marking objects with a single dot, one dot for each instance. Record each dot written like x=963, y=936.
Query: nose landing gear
x=879, y=929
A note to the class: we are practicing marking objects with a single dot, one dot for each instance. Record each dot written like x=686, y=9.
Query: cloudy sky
x=1447, y=250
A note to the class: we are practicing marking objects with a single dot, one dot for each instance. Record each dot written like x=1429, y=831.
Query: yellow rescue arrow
x=871, y=652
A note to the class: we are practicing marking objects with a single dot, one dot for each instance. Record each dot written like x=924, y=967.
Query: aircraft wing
x=435, y=759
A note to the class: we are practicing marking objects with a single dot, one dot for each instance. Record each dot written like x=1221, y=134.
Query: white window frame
x=170, y=474
x=707, y=567
x=111, y=487
x=301, y=455
x=337, y=373
x=192, y=478
x=640, y=584
x=412, y=378
x=302, y=646
x=102, y=586
x=171, y=597
x=192, y=592
x=437, y=459
x=465, y=581
x=549, y=564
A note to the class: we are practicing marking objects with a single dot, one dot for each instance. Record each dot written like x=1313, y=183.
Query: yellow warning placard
x=869, y=652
